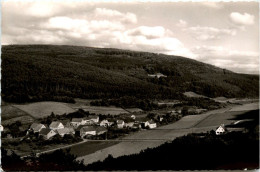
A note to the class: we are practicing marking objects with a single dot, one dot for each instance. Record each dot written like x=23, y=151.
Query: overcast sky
x=222, y=34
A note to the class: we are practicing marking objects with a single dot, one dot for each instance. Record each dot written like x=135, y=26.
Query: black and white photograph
x=90, y=85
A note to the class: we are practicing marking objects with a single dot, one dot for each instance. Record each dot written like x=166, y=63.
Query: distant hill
x=52, y=72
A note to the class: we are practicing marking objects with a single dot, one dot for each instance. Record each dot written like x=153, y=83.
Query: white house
x=220, y=130
x=106, y=123
x=1, y=128
x=95, y=119
x=152, y=124
x=47, y=133
x=56, y=125
x=120, y=123
x=36, y=127
x=157, y=75
x=133, y=116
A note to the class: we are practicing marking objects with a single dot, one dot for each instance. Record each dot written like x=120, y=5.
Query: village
x=87, y=127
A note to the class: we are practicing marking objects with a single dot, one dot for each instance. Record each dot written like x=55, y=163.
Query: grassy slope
x=34, y=72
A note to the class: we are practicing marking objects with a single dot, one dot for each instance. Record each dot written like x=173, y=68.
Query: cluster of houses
x=89, y=126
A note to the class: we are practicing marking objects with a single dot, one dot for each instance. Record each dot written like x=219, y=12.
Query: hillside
x=51, y=72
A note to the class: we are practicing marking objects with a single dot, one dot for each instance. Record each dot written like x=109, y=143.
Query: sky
x=224, y=34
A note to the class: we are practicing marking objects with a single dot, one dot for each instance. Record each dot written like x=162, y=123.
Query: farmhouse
x=64, y=131
x=1, y=128
x=220, y=130
x=95, y=119
x=151, y=124
x=100, y=130
x=106, y=123
x=157, y=75
x=47, y=133
x=36, y=127
x=56, y=125
x=75, y=122
x=120, y=123
x=129, y=124
x=87, y=130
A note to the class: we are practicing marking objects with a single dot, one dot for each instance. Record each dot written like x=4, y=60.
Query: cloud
x=182, y=23
x=209, y=33
x=242, y=19
x=97, y=27
x=235, y=60
x=214, y=5
x=148, y=32
x=129, y=18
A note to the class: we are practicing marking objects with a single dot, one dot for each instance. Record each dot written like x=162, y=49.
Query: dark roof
x=88, y=128
x=76, y=120
x=99, y=129
x=55, y=124
x=45, y=131
x=36, y=126
x=120, y=122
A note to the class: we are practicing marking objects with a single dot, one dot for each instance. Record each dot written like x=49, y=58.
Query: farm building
x=47, y=133
x=1, y=128
x=75, y=122
x=64, y=131
x=36, y=127
x=100, y=130
x=56, y=125
x=120, y=123
x=87, y=130
x=157, y=75
x=95, y=118
x=129, y=124
x=106, y=123
x=220, y=130
x=151, y=124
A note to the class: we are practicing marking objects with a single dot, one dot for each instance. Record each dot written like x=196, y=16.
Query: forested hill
x=51, y=72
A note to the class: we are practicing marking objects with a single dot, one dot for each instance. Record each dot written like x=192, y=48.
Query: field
x=152, y=138
x=102, y=110
x=9, y=111
x=245, y=107
x=43, y=109
x=90, y=147
x=23, y=119
x=192, y=94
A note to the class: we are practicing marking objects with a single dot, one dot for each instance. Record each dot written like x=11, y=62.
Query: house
x=220, y=130
x=151, y=124
x=129, y=124
x=75, y=122
x=95, y=118
x=100, y=130
x=47, y=133
x=157, y=75
x=136, y=126
x=56, y=125
x=64, y=131
x=133, y=116
x=106, y=123
x=87, y=130
x=36, y=127
x=120, y=123
x=1, y=128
